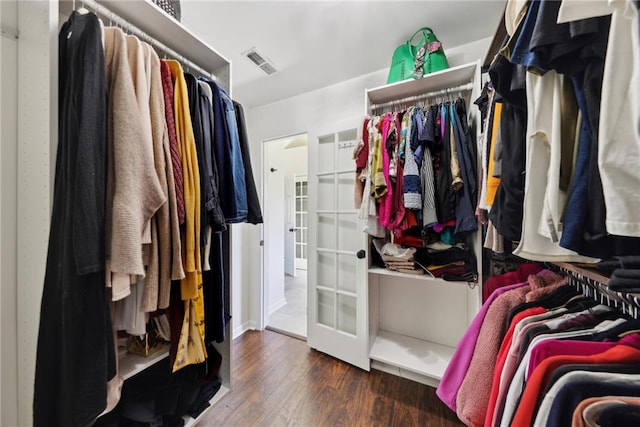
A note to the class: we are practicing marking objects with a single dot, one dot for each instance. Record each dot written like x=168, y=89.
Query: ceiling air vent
x=263, y=63
x=268, y=68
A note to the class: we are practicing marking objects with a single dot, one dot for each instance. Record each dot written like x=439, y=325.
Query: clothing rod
x=447, y=91
x=121, y=22
x=596, y=286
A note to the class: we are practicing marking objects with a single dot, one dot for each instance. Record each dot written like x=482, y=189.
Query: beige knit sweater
x=134, y=192
x=166, y=219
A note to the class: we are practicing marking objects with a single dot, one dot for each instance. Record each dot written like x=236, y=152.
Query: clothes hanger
x=83, y=10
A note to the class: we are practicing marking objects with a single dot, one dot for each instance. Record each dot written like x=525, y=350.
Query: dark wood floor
x=279, y=381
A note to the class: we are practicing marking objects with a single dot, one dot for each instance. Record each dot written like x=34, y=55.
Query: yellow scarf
x=191, y=347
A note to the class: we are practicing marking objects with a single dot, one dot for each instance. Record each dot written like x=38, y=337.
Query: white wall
x=323, y=111
x=8, y=216
x=274, y=229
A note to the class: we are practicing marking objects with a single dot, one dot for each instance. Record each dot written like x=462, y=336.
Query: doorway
x=285, y=195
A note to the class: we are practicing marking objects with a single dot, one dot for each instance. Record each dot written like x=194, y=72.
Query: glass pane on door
x=347, y=314
x=346, y=273
x=346, y=198
x=326, y=193
x=325, y=308
x=348, y=236
x=326, y=154
x=326, y=270
x=326, y=231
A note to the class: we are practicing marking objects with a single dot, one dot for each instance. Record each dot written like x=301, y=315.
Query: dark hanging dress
x=254, y=215
x=75, y=355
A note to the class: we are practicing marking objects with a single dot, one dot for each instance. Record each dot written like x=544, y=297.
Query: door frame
x=263, y=318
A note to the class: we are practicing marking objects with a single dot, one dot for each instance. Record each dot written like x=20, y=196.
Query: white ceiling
x=314, y=44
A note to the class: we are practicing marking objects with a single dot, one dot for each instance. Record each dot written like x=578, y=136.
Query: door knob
x=291, y=230
x=361, y=254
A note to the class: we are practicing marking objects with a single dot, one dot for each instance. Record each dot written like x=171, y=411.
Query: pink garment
x=453, y=376
x=553, y=347
x=473, y=396
x=386, y=201
x=541, y=286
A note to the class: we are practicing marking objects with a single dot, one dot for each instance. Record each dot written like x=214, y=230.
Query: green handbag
x=411, y=60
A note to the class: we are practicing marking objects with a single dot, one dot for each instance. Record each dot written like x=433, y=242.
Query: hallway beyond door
x=291, y=319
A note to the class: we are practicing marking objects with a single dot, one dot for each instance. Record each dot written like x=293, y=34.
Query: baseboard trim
x=246, y=326
x=286, y=332
x=277, y=306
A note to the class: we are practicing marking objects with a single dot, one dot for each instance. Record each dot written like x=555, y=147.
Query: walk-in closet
x=451, y=188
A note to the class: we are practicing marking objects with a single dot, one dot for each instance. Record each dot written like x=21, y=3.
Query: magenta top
x=553, y=347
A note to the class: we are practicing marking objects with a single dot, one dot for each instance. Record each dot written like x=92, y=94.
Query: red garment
x=176, y=160
x=363, y=155
x=520, y=275
x=397, y=205
x=502, y=357
x=409, y=240
x=525, y=413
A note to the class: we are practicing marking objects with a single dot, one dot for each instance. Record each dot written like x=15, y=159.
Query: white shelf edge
x=132, y=364
x=424, y=277
x=157, y=23
x=448, y=78
x=189, y=422
x=403, y=373
x=415, y=355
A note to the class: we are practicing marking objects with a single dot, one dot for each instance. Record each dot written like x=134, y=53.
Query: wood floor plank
x=279, y=381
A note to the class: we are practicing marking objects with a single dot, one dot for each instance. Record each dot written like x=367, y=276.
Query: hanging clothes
x=408, y=176
x=423, y=142
x=136, y=194
x=136, y=209
x=465, y=209
x=191, y=348
x=254, y=213
x=237, y=165
x=205, y=172
x=213, y=277
x=75, y=355
x=215, y=216
x=176, y=159
x=222, y=146
x=561, y=50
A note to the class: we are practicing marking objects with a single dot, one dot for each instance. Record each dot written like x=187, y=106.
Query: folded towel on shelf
x=407, y=270
x=388, y=249
x=401, y=264
x=389, y=258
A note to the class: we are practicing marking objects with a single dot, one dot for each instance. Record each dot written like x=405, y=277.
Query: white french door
x=337, y=321
x=301, y=222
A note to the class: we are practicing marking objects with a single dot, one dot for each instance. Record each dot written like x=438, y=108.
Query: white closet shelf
x=425, y=277
x=158, y=24
x=131, y=364
x=189, y=422
x=415, y=355
x=449, y=78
